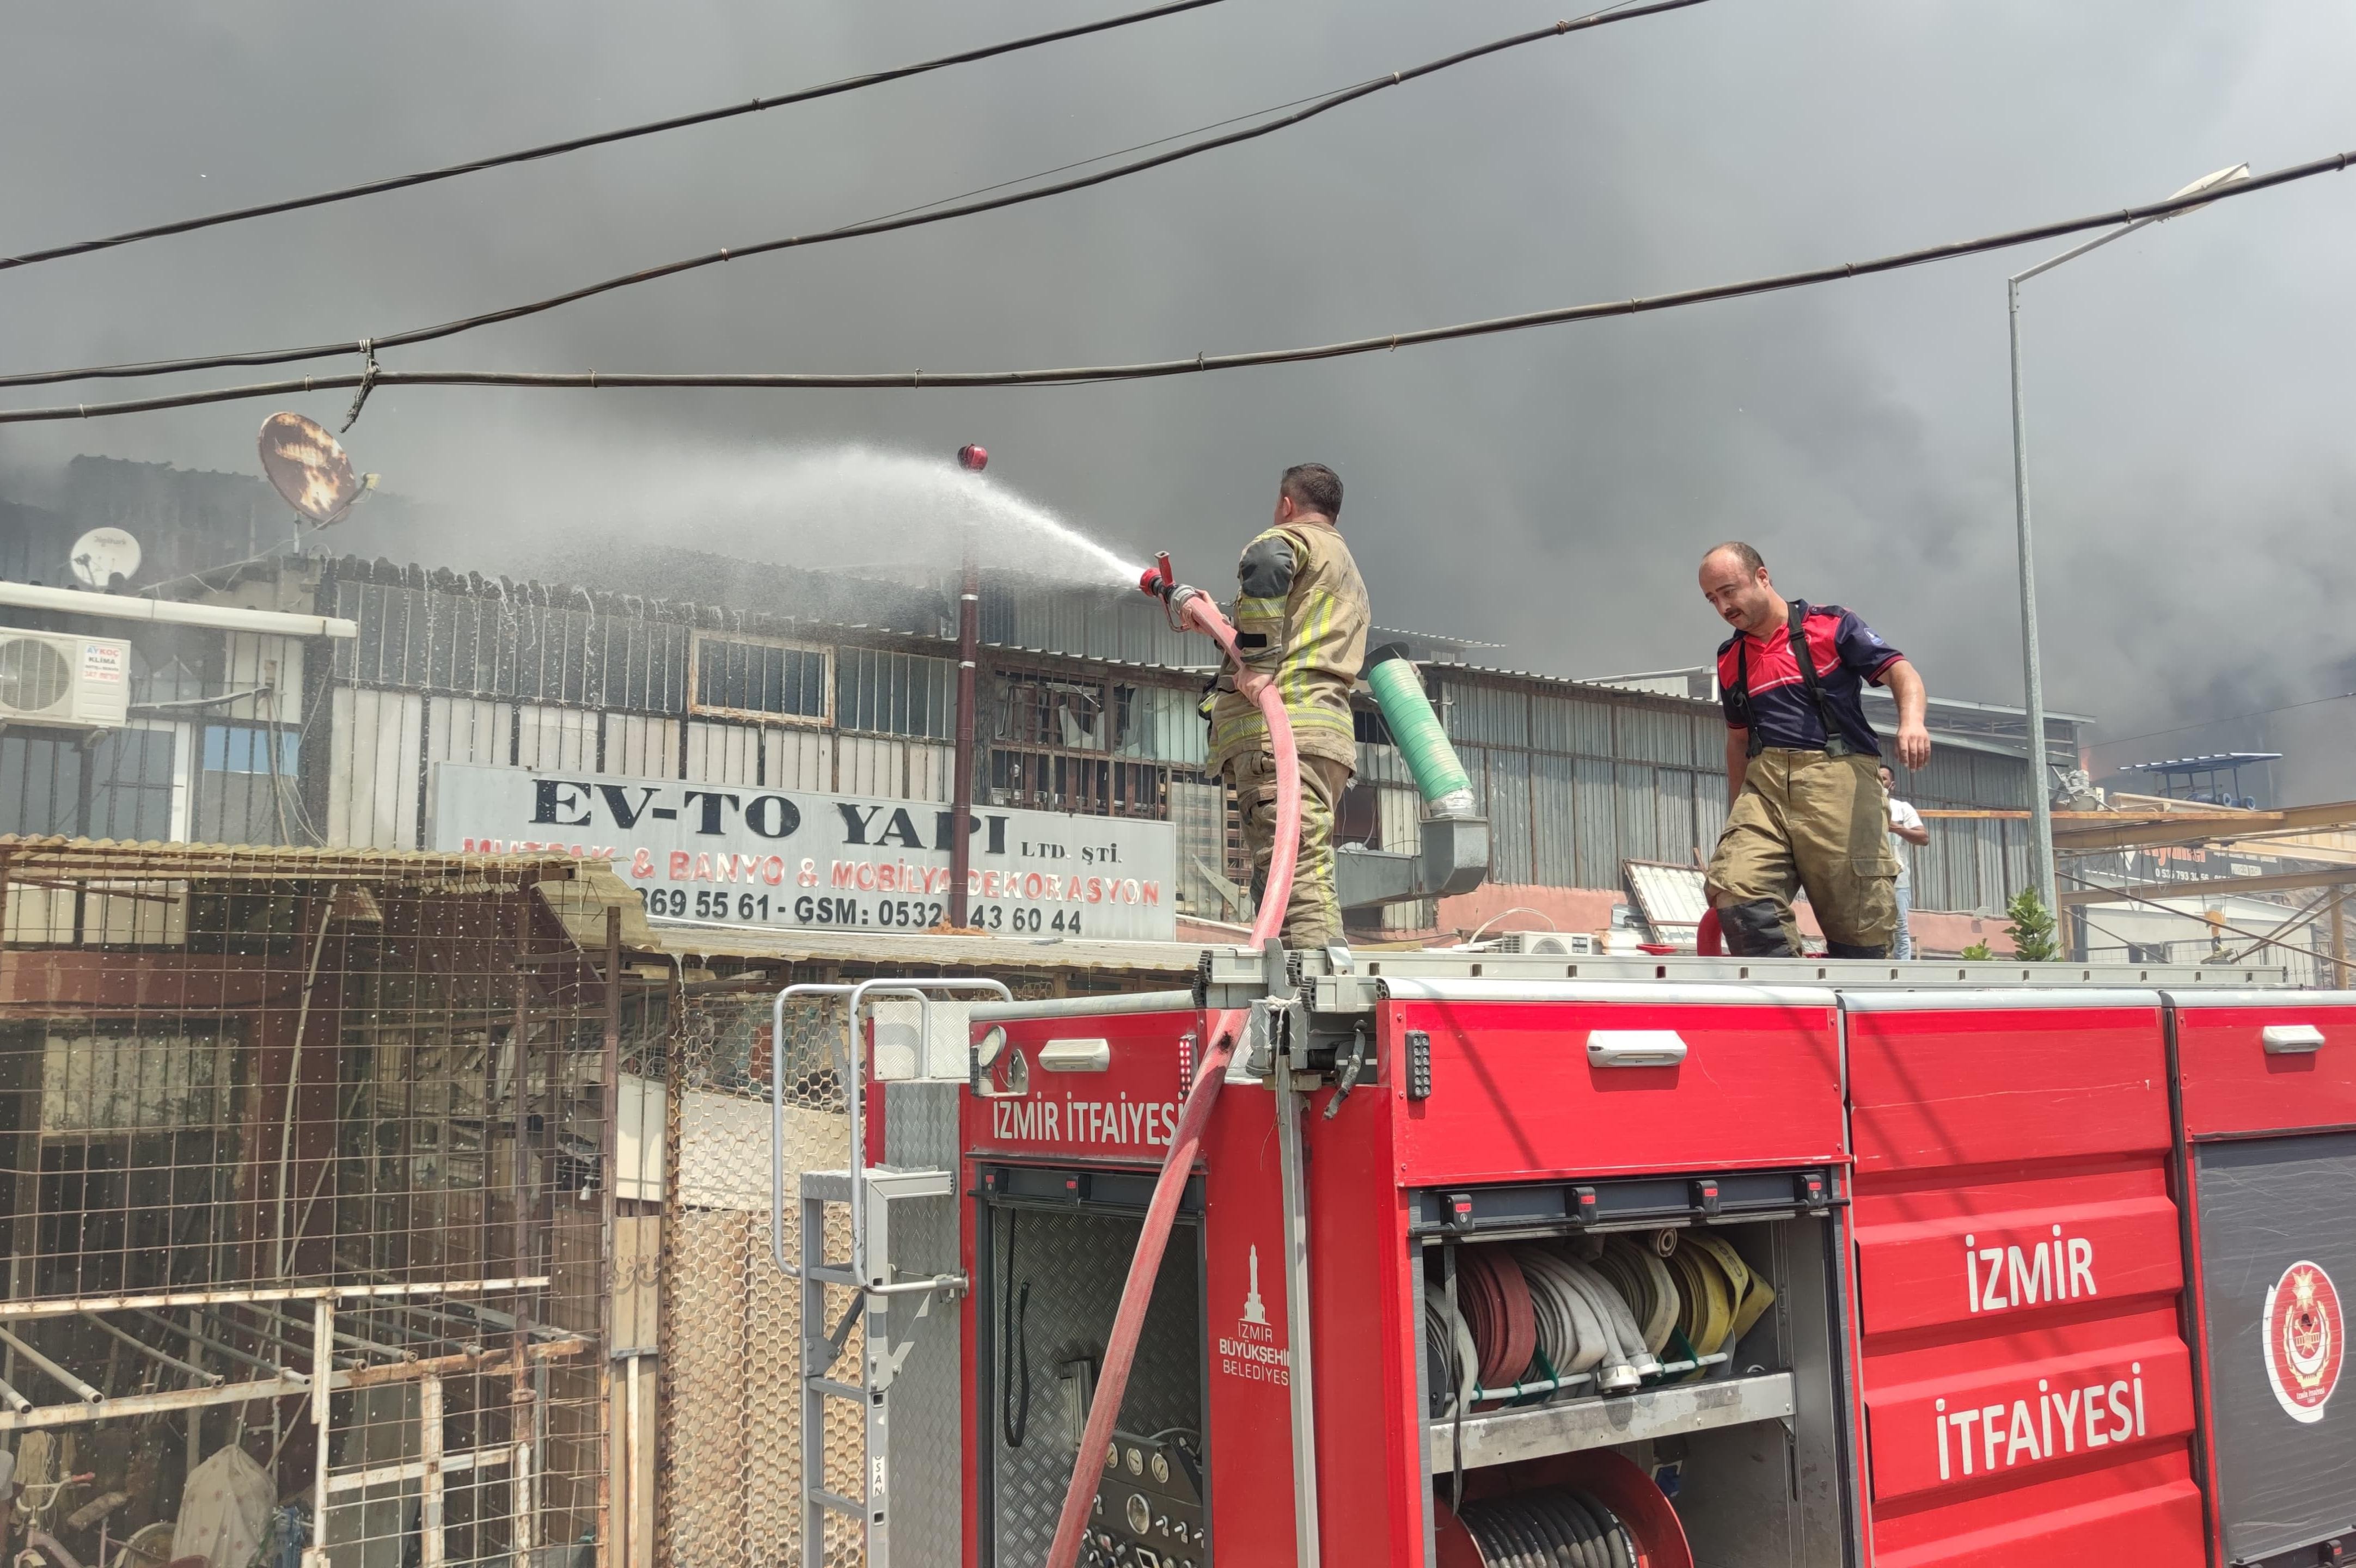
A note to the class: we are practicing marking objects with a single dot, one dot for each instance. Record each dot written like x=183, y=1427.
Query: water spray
x=1189, y=609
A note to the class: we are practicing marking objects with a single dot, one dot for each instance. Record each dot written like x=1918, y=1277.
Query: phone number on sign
x=814, y=909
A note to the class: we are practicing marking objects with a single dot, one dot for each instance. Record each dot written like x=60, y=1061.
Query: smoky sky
x=2187, y=388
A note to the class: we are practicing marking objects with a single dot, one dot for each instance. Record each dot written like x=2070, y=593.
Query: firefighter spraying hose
x=1190, y=608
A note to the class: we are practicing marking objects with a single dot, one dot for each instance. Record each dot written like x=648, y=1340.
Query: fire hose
x=1190, y=608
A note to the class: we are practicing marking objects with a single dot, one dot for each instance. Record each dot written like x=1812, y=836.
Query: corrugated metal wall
x=439, y=632
x=1575, y=785
x=1973, y=865
x=453, y=669
x=529, y=676
x=1120, y=625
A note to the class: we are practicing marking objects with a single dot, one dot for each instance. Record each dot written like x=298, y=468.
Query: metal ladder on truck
x=870, y=1193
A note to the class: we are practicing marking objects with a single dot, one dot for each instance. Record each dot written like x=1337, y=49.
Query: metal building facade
x=243, y=738
x=1581, y=778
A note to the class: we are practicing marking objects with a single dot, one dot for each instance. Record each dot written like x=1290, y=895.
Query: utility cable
x=1200, y=363
x=596, y=139
x=2226, y=718
x=910, y=219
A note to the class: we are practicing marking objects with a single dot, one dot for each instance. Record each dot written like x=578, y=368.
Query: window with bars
x=1093, y=787
x=763, y=679
x=1053, y=710
x=248, y=786
x=118, y=786
x=490, y=645
x=894, y=694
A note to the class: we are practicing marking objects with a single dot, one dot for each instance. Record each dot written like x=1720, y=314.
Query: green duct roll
x=1439, y=777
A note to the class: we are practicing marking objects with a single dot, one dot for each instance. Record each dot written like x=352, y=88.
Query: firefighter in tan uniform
x=1301, y=619
x=1808, y=809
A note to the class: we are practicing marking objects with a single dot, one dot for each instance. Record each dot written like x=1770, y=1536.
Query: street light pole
x=2041, y=795
x=2040, y=788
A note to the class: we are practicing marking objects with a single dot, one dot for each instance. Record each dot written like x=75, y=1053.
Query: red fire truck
x=1927, y=1264
x=1473, y=1259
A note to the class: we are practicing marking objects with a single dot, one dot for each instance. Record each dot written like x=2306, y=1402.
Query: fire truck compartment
x=2267, y=1084
x=1747, y=1435
x=1052, y=1246
x=2252, y=1062
x=2024, y=1370
x=1519, y=1078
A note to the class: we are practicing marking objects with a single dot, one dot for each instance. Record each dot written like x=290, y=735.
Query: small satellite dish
x=102, y=555
x=308, y=467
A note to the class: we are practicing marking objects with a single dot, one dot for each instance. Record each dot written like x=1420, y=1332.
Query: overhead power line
x=2225, y=719
x=912, y=218
x=1200, y=363
x=596, y=139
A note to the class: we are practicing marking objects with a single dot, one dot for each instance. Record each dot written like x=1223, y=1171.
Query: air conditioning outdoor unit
x=1550, y=943
x=61, y=679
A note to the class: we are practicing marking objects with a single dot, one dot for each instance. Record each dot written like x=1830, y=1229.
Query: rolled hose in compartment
x=1439, y=776
x=1589, y=1510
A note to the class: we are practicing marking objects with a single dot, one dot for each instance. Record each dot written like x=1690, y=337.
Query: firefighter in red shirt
x=1803, y=767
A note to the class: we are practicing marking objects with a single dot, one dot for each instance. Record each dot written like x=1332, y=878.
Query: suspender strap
x=1757, y=743
x=1836, y=743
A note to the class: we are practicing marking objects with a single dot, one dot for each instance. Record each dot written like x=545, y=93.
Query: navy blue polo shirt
x=1846, y=653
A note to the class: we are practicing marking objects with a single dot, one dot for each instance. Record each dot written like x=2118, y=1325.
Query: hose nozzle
x=1158, y=580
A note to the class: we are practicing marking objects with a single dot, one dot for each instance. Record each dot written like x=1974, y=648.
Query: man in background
x=1808, y=809
x=1906, y=826
x=1300, y=617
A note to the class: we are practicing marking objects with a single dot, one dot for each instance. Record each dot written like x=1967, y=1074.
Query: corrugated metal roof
x=1667, y=896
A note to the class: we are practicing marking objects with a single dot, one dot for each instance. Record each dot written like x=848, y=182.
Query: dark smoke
x=2187, y=388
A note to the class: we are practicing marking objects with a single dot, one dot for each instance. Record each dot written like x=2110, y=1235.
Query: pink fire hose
x=1194, y=608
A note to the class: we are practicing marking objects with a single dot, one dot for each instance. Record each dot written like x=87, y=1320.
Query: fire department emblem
x=2305, y=1337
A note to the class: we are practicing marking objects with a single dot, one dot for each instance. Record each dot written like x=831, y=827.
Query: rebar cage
x=306, y=1212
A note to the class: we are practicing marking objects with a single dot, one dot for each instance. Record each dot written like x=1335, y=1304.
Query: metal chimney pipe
x=973, y=460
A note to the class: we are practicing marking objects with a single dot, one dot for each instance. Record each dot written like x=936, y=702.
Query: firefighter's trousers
x=1807, y=821
x=1313, y=916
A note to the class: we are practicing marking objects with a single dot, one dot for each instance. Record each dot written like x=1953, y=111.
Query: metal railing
x=854, y=1069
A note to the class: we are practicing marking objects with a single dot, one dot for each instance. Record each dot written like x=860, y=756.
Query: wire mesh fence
x=732, y=1457
x=306, y=1228
x=734, y=1477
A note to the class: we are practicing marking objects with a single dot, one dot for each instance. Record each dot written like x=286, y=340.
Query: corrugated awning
x=1668, y=896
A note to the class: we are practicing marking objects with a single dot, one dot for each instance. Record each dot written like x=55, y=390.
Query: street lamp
x=2041, y=807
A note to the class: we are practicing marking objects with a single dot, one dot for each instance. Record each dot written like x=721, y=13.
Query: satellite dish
x=308, y=467
x=102, y=555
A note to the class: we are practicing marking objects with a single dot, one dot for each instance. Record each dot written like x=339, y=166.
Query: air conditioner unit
x=59, y=678
x=1550, y=943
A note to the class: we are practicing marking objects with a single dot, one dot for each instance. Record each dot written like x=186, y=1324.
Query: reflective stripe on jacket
x=1301, y=616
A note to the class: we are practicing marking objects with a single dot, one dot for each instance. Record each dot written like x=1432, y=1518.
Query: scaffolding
x=304, y=1205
